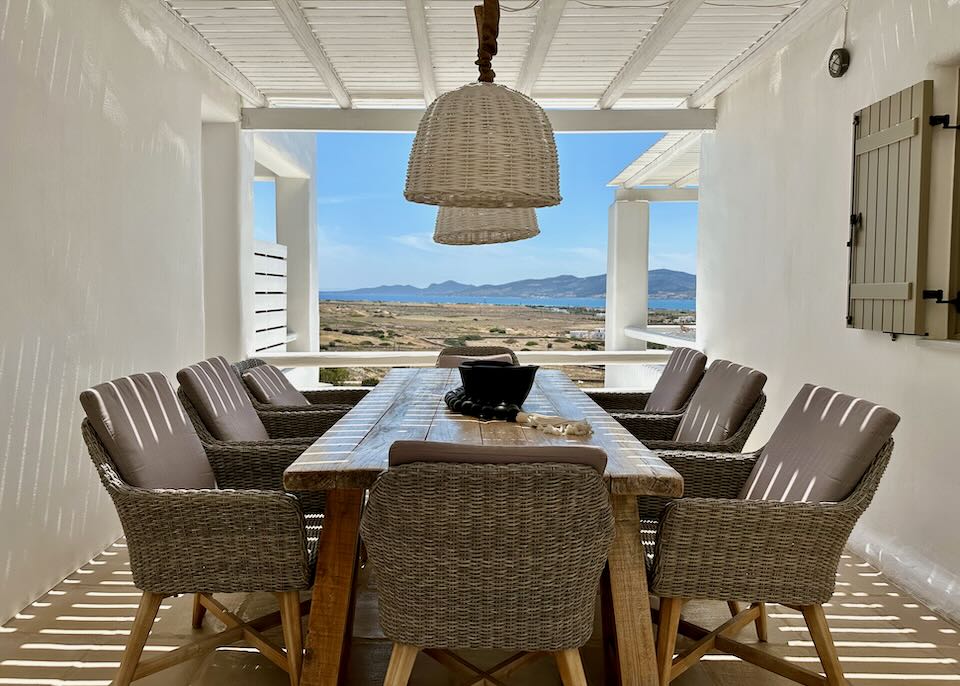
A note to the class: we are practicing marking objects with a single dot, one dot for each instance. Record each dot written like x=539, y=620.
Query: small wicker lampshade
x=481, y=225
x=484, y=145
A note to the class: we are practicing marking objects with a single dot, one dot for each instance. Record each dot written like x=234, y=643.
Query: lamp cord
x=487, y=16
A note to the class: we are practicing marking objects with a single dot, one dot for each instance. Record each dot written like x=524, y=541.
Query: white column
x=228, y=170
x=296, y=228
x=628, y=246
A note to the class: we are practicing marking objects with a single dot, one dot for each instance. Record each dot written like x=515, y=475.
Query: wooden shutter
x=888, y=221
x=270, y=296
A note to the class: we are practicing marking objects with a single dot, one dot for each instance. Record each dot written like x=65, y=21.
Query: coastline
x=666, y=304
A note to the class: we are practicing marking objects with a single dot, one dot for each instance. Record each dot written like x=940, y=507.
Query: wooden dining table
x=408, y=405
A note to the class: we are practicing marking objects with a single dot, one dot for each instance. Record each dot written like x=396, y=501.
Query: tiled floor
x=74, y=635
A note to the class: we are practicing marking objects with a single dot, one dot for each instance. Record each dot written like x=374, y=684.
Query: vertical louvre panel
x=270, y=296
x=890, y=197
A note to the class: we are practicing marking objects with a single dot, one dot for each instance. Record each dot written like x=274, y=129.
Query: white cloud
x=418, y=241
x=354, y=197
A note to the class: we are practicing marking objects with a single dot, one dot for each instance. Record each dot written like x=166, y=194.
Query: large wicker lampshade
x=482, y=225
x=484, y=145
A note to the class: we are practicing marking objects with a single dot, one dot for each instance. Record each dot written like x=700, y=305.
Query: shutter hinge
x=942, y=120
x=849, y=320
x=856, y=120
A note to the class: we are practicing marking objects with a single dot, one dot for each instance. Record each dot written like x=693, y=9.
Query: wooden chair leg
x=401, y=664
x=822, y=639
x=198, y=612
x=571, y=668
x=142, y=624
x=292, y=633
x=761, y=623
x=734, y=607
x=667, y=636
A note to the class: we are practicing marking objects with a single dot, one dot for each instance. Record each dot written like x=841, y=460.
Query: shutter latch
x=937, y=297
x=856, y=222
x=942, y=120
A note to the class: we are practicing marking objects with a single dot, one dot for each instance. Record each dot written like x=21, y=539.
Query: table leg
x=628, y=601
x=330, y=614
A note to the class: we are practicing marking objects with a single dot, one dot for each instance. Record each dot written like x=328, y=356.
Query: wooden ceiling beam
x=548, y=19
x=776, y=39
x=293, y=16
x=193, y=42
x=417, y=18
x=406, y=120
x=673, y=19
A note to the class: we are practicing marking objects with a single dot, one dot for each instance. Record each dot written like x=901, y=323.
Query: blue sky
x=368, y=235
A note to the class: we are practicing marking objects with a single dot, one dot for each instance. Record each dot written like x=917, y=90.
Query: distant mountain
x=664, y=283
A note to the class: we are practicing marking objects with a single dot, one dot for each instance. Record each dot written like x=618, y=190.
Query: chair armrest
x=711, y=474
x=650, y=427
x=751, y=550
x=183, y=541
x=728, y=446
x=253, y=464
x=307, y=423
x=336, y=396
x=622, y=402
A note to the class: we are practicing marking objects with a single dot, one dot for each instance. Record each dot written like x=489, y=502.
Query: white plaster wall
x=227, y=165
x=773, y=265
x=100, y=256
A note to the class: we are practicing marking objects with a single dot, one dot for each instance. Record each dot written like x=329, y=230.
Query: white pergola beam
x=417, y=18
x=682, y=181
x=658, y=194
x=548, y=19
x=664, y=159
x=785, y=32
x=406, y=120
x=293, y=17
x=190, y=39
x=673, y=19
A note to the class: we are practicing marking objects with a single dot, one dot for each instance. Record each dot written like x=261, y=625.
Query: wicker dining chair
x=257, y=446
x=774, y=537
x=719, y=418
x=269, y=390
x=670, y=395
x=217, y=394
x=187, y=532
x=454, y=355
x=514, y=565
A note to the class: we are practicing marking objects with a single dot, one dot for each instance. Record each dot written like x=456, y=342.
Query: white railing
x=428, y=358
x=671, y=335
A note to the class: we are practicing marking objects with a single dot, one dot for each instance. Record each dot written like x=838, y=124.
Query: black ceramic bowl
x=495, y=382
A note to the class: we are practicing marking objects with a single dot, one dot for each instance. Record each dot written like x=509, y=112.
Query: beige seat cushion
x=215, y=390
x=821, y=449
x=680, y=376
x=272, y=387
x=147, y=433
x=405, y=452
x=721, y=402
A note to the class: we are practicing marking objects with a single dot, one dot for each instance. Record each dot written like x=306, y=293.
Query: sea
x=597, y=303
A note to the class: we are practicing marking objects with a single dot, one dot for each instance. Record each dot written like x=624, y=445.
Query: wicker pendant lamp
x=483, y=225
x=484, y=145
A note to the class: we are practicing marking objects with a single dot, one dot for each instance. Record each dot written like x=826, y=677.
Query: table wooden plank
x=632, y=469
